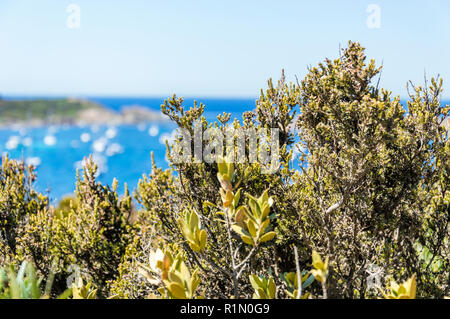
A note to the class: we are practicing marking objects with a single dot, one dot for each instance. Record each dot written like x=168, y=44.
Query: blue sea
x=121, y=151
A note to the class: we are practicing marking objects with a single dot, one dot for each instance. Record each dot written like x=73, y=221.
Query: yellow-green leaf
x=202, y=239
x=246, y=239
x=176, y=291
x=317, y=260
x=238, y=229
x=254, y=281
x=251, y=228
x=174, y=278
x=267, y=236
x=194, y=247
x=261, y=294
x=272, y=288
x=263, y=226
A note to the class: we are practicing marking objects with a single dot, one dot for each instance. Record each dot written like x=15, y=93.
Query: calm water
x=120, y=151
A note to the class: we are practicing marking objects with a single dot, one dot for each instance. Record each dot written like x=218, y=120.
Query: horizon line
x=144, y=96
x=151, y=96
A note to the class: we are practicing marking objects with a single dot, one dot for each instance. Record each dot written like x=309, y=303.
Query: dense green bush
x=18, y=201
x=371, y=187
x=362, y=181
x=88, y=237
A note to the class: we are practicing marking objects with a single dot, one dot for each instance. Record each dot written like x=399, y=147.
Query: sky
x=210, y=48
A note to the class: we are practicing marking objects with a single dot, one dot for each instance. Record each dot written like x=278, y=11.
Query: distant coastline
x=42, y=111
x=71, y=111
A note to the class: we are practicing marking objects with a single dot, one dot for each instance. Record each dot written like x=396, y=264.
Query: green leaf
x=263, y=227
x=236, y=198
x=175, y=278
x=222, y=167
x=246, y=239
x=317, y=260
x=265, y=211
x=238, y=229
x=254, y=281
x=176, y=291
x=202, y=239
x=261, y=293
x=251, y=228
x=308, y=282
x=272, y=288
x=193, y=222
x=264, y=198
x=267, y=236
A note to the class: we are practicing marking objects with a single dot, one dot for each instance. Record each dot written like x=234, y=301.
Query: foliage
x=406, y=290
x=264, y=288
x=24, y=284
x=18, y=201
x=190, y=227
x=291, y=281
x=88, y=236
x=83, y=291
x=361, y=180
x=368, y=187
x=320, y=271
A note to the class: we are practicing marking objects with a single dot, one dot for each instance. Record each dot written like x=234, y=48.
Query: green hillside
x=57, y=109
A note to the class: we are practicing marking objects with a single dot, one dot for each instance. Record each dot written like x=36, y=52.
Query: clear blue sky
x=209, y=48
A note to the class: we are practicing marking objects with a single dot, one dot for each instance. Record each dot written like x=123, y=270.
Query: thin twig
x=299, y=275
x=233, y=263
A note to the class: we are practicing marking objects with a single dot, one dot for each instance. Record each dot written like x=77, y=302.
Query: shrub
x=362, y=181
x=18, y=201
x=88, y=237
x=369, y=186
